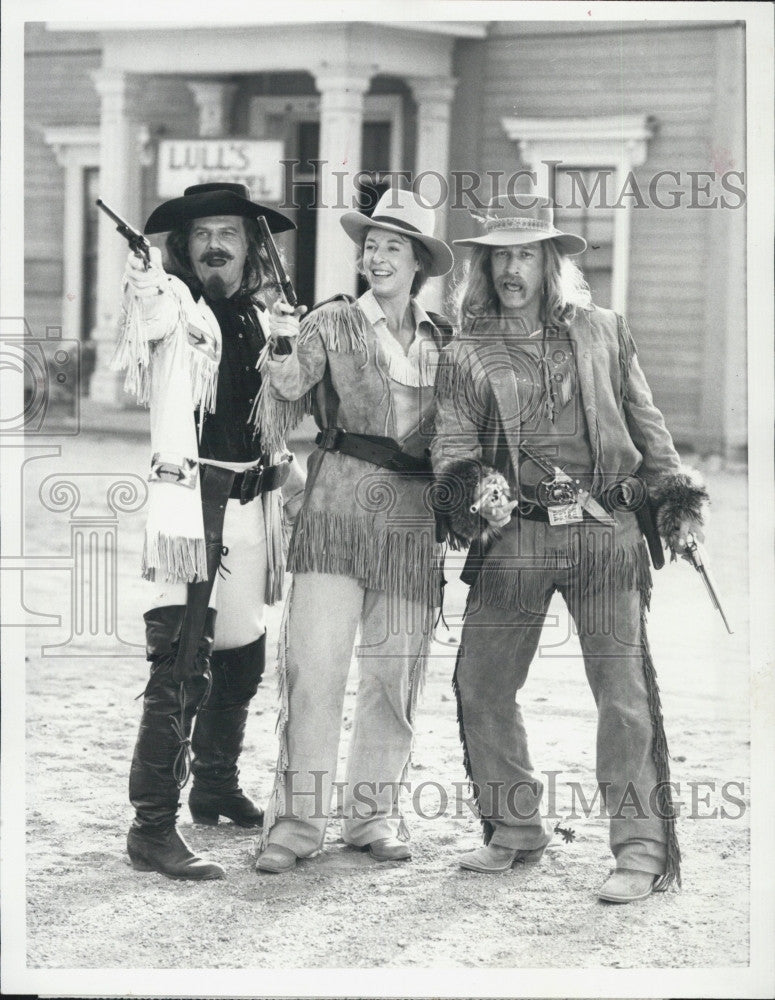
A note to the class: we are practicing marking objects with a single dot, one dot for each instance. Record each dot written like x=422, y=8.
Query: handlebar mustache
x=209, y=254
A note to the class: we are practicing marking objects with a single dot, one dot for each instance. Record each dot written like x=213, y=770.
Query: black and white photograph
x=387, y=499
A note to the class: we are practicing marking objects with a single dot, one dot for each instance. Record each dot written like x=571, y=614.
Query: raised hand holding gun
x=138, y=244
x=283, y=316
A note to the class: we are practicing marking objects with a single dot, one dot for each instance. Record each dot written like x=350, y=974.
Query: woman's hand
x=284, y=320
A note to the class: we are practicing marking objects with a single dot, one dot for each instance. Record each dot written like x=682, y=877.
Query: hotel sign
x=239, y=161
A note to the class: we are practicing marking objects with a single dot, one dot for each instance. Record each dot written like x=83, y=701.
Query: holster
x=251, y=483
x=648, y=526
x=477, y=553
x=215, y=487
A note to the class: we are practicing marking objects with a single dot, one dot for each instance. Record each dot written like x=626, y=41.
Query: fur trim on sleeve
x=678, y=496
x=454, y=493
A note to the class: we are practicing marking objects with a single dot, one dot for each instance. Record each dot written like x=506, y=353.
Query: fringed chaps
x=661, y=758
x=635, y=572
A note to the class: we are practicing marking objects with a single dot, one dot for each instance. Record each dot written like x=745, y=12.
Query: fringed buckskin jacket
x=170, y=345
x=358, y=519
x=479, y=430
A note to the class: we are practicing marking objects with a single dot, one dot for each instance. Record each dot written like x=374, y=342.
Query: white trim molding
x=582, y=142
x=618, y=143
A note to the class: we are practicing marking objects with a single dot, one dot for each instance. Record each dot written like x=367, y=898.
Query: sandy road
x=87, y=908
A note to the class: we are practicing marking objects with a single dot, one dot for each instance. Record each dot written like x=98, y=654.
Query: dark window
x=305, y=196
x=595, y=222
x=91, y=179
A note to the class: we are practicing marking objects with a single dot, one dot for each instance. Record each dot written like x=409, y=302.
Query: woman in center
x=363, y=552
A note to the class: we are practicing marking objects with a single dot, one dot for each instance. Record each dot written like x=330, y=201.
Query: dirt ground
x=87, y=908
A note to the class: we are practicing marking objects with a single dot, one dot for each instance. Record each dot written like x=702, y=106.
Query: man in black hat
x=551, y=452
x=190, y=340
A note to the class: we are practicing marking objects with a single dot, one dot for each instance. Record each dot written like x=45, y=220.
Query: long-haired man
x=549, y=449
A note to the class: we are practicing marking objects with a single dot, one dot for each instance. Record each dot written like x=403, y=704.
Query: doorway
x=296, y=121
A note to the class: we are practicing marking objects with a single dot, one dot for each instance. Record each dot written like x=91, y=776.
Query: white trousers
x=239, y=590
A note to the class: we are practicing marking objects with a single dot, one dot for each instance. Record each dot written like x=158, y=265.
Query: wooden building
x=636, y=128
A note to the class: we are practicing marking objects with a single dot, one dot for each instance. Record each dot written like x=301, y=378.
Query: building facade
x=636, y=130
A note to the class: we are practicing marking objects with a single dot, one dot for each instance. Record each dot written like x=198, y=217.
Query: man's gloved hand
x=144, y=283
x=493, y=502
x=677, y=542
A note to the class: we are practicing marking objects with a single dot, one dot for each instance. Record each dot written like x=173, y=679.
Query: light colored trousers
x=326, y=611
x=240, y=583
x=497, y=648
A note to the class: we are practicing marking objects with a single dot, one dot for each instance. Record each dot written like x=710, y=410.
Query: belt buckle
x=329, y=438
x=560, y=496
x=251, y=484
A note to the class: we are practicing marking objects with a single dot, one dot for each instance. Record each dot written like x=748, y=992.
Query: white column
x=214, y=99
x=341, y=126
x=75, y=149
x=433, y=96
x=120, y=163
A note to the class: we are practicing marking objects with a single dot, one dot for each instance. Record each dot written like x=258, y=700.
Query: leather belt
x=383, y=452
x=251, y=483
x=625, y=495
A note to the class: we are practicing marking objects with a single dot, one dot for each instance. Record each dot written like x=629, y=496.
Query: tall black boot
x=219, y=735
x=158, y=764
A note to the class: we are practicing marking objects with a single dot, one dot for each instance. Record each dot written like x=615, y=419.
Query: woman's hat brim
x=355, y=223
x=566, y=242
x=179, y=211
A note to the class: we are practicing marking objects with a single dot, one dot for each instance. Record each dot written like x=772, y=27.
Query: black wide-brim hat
x=202, y=200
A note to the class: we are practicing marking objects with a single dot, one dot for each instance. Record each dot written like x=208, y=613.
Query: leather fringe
x=398, y=562
x=453, y=380
x=274, y=418
x=488, y=828
x=340, y=325
x=132, y=352
x=407, y=371
x=519, y=587
x=276, y=546
x=272, y=810
x=133, y=355
x=203, y=372
x=627, y=351
x=173, y=559
x=661, y=757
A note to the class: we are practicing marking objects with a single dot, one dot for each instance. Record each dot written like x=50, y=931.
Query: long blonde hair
x=564, y=289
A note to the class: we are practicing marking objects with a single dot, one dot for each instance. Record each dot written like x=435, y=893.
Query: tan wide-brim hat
x=404, y=212
x=511, y=220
